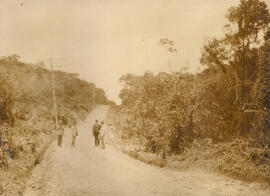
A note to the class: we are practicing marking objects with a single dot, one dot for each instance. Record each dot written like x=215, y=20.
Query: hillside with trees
x=220, y=114
x=27, y=115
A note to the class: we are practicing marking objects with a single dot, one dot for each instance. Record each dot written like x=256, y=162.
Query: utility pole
x=54, y=97
x=94, y=93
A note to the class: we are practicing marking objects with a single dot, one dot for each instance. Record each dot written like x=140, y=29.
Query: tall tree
x=235, y=57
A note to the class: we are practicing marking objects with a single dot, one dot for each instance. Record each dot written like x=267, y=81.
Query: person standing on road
x=74, y=133
x=102, y=133
x=96, y=129
x=110, y=134
x=60, y=133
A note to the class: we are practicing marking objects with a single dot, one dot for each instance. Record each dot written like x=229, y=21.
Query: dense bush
x=9, y=95
x=27, y=116
x=228, y=100
x=26, y=94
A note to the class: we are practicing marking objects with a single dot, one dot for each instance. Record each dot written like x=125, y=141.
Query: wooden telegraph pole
x=54, y=97
x=94, y=93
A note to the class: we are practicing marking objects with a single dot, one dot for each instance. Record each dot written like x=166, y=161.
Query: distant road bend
x=87, y=171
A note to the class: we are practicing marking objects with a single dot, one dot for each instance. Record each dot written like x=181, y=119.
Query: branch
x=236, y=88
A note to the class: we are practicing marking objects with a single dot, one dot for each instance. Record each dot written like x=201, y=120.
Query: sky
x=104, y=39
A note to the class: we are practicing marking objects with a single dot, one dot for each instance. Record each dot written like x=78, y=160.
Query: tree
x=234, y=59
x=261, y=91
x=228, y=99
x=10, y=59
x=169, y=46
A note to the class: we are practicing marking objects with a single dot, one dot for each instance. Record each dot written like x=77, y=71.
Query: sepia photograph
x=134, y=97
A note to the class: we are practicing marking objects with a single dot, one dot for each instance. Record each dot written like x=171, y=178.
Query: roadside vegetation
x=218, y=118
x=27, y=118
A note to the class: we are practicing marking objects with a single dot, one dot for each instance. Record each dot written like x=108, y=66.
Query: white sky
x=104, y=39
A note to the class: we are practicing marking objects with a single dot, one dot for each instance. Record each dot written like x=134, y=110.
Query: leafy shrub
x=229, y=99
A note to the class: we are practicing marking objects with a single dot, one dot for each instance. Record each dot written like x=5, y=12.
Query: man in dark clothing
x=95, y=130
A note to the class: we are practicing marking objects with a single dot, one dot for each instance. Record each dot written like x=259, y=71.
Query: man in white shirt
x=74, y=133
x=103, y=131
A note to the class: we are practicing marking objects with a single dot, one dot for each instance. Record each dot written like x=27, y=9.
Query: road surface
x=88, y=171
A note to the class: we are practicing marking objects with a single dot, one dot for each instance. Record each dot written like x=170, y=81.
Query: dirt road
x=87, y=171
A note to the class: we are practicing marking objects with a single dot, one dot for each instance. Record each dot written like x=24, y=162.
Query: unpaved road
x=87, y=171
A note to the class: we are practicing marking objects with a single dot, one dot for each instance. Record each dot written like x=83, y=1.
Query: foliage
x=9, y=95
x=235, y=61
x=26, y=114
x=228, y=100
x=33, y=86
x=159, y=109
x=240, y=158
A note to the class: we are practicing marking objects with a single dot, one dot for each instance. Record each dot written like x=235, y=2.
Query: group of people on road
x=60, y=133
x=99, y=131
